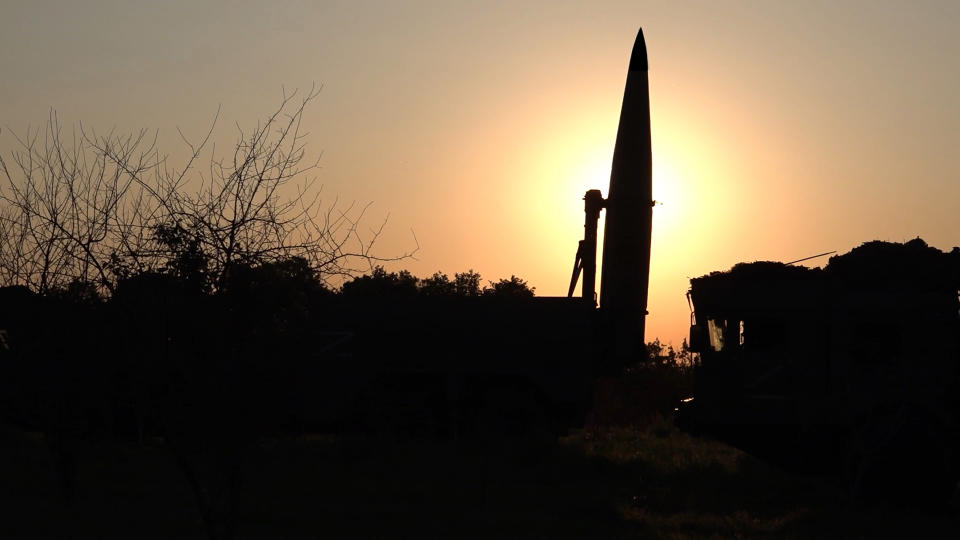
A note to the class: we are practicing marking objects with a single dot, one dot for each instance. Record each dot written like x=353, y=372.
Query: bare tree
x=62, y=206
x=77, y=207
x=97, y=208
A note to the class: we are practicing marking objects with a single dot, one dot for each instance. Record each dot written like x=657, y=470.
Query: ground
x=605, y=483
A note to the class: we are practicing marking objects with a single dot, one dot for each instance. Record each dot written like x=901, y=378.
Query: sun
x=559, y=165
x=668, y=192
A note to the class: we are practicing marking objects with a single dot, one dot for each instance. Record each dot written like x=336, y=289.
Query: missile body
x=629, y=206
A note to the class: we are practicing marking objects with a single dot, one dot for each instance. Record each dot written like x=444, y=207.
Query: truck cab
x=853, y=366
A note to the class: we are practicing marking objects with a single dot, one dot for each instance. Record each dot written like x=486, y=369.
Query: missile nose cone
x=638, y=58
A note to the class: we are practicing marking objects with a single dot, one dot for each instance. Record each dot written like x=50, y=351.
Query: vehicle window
x=716, y=329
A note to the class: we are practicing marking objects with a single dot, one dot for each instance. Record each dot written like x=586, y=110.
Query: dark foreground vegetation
x=216, y=464
x=153, y=426
x=200, y=378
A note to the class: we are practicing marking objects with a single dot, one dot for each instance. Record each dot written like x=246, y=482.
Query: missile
x=625, y=276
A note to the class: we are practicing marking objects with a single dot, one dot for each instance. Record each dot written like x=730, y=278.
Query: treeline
x=294, y=278
x=379, y=282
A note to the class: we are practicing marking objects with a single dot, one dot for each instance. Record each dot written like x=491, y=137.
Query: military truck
x=851, y=368
x=527, y=362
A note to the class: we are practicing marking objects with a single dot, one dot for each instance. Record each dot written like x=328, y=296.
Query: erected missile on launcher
x=626, y=245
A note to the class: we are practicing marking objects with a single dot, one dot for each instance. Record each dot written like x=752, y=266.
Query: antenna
x=810, y=257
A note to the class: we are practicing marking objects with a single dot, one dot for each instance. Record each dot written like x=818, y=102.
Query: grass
x=614, y=482
x=685, y=487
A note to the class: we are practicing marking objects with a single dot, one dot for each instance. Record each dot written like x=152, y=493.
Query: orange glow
x=778, y=131
x=559, y=164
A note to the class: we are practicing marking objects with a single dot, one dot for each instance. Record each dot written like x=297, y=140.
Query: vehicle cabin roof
x=873, y=267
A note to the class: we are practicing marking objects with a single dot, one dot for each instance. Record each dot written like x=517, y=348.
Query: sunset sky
x=780, y=129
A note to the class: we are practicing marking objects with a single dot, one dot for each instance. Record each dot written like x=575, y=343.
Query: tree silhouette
x=209, y=281
x=467, y=283
x=438, y=284
x=513, y=287
x=403, y=284
x=85, y=207
x=380, y=283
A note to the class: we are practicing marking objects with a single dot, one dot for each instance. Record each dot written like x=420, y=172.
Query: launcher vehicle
x=853, y=367
x=490, y=356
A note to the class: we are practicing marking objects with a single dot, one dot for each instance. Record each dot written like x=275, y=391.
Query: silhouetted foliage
x=403, y=284
x=78, y=292
x=274, y=296
x=513, y=287
x=438, y=284
x=380, y=283
x=187, y=260
x=667, y=355
x=645, y=392
x=467, y=283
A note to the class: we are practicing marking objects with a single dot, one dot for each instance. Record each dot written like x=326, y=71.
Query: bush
x=646, y=392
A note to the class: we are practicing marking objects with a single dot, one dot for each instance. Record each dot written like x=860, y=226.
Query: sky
x=780, y=129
